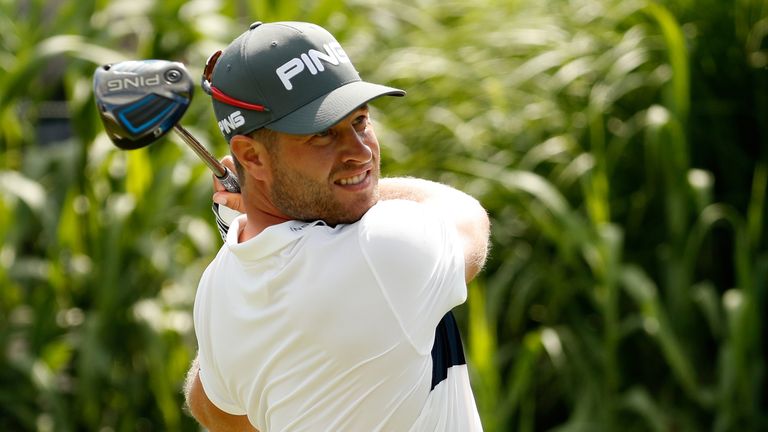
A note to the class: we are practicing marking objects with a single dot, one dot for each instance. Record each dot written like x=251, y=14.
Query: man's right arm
x=205, y=412
x=462, y=210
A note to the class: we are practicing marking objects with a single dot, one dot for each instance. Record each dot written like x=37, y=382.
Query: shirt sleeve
x=212, y=381
x=418, y=261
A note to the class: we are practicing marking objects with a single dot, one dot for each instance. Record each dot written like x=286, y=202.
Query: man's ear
x=251, y=154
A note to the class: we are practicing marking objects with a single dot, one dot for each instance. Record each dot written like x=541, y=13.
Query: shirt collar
x=269, y=241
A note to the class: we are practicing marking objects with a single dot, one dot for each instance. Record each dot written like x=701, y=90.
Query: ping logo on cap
x=231, y=122
x=312, y=61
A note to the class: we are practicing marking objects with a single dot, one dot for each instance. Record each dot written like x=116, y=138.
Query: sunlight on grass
x=617, y=145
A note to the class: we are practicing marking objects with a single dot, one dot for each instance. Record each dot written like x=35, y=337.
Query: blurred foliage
x=619, y=146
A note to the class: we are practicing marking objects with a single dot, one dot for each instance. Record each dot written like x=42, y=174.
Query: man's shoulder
x=402, y=231
x=398, y=220
x=397, y=211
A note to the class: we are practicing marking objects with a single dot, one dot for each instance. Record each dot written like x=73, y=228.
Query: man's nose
x=353, y=146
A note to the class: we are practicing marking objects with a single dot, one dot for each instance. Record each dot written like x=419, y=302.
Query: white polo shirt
x=311, y=328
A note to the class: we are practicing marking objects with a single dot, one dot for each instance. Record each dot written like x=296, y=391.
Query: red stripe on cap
x=221, y=97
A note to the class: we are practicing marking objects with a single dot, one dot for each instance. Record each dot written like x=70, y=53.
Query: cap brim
x=327, y=110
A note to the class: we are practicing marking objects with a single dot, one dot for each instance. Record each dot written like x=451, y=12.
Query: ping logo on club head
x=136, y=82
x=231, y=122
x=312, y=61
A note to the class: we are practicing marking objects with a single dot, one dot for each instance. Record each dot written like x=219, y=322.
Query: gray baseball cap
x=291, y=77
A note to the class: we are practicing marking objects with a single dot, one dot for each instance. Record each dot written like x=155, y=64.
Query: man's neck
x=257, y=221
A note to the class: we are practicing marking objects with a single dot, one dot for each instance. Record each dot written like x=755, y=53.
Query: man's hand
x=221, y=196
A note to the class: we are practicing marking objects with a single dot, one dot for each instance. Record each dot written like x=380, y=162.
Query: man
x=328, y=308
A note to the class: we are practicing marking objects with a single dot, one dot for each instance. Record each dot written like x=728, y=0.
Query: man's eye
x=361, y=122
x=324, y=133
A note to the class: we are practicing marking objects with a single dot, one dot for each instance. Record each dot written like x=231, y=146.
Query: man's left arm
x=463, y=211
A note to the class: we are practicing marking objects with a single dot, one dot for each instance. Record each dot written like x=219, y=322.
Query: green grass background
x=620, y=147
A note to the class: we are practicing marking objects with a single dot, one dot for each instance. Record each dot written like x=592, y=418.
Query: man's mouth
x=352, y=180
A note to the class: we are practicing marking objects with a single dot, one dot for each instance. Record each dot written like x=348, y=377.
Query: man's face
x=332, y=176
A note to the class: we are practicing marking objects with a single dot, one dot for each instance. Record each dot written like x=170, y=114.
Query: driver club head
x=139, y=101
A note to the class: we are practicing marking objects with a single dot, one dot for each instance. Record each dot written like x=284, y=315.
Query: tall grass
x=628, y=269
x=571, y=121
x=101, y=250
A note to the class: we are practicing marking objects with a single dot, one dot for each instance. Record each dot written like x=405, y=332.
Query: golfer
x=328, y=307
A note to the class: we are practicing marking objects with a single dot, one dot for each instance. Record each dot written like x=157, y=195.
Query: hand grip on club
x=222, y=173
x=229, y=181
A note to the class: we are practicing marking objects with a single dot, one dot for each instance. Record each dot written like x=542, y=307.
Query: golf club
x=139, y=101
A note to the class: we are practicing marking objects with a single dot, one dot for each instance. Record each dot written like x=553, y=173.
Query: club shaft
x=219, y=170
x=207, y=158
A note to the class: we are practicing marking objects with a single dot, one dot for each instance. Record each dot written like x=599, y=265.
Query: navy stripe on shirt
x=447, y=350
